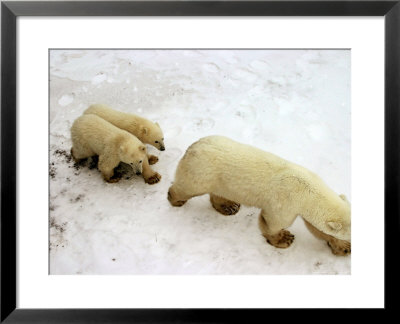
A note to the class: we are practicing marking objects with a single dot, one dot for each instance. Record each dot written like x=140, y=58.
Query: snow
x=65, y=100
x=293, y=103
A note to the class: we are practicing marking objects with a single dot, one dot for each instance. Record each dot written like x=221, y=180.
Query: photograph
x=199, y=161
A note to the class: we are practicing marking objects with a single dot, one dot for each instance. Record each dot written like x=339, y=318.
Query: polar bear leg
x=106, y=166
x=338, y=247
x=273, y=230
x=79, y=152
x=150, y=176
x=224, y=206
x=178, y=194
x=176, y=197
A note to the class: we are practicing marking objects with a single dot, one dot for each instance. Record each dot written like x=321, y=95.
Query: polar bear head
x=338, y=223
x=152, y=134
x=134, y=155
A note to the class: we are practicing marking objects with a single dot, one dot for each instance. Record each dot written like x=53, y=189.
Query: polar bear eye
x=156, y=141
x=140, y=161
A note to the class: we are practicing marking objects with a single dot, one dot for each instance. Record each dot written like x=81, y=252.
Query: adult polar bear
x=234, y=173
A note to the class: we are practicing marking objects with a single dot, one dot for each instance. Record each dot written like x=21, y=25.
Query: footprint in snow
x=202, y=124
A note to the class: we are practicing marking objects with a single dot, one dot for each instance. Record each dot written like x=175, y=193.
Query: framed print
x=115, y=116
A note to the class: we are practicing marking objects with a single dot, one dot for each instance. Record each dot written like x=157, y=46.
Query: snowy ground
x=295, y=104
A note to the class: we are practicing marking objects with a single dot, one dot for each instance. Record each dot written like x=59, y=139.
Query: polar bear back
x=130, y=122
x=99, y=135
x=239, y=165
x=117, y=118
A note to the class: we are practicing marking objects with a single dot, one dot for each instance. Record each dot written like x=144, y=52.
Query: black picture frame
x=9, y=13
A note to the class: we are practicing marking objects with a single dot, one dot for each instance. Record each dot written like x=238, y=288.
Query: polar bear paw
x=339, y=247
x=224, y=206
x=113, y=179
x=174, y=199
x=73, y=156
x=156, y=177
x=228, y=209
x=152, y=159
x=281, y=240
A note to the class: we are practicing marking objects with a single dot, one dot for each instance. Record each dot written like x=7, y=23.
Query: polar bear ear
x=343, y=197
x=334, y=225
x=144, y=130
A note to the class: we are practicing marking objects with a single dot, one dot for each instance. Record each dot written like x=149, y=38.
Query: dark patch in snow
x=52, y=171
x=57, y=232
x=79, y=165
x=121, y=171
x=93, y=162
x=68, y=158
x=64, y=153
x=317, y=264
x=60, y=228
x=77, y=198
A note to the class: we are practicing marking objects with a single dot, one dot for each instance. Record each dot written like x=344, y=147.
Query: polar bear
x=92, y=135
x=144, y=129
x=234, y=173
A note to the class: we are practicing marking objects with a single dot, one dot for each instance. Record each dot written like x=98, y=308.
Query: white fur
x=144, y=129
x=92, y=135
x=250, y=176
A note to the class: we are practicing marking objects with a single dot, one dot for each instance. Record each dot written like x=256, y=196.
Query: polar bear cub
x=144, y=129
x=92, y=135
x=234, y=173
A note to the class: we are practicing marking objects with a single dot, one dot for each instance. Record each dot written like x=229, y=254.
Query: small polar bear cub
x=144, y=129
x=234, y=173
x=92, y=135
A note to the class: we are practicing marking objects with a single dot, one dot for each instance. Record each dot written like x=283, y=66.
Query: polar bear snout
x=137, y=167
x=160, y=145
